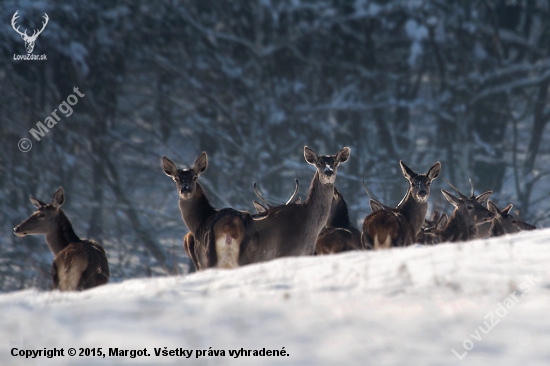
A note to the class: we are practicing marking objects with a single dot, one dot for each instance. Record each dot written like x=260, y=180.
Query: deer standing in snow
x=78, y=264
x=291, y=230
x=390, y=227
x=218, y=238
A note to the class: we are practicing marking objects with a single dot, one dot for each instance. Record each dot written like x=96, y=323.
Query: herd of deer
x=229, y=238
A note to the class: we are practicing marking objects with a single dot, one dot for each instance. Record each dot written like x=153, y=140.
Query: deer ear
x=169, y=167
x=434, y=171
x=37, y=203
x=493, y=208
x=259, y=207
x=310, y=156
x=200, y=164
x=442, y=221
x=506, y=210
x=483, y=197
x=407, y=172
x=376, y=206
x=58, y=198
x=455, y=201
x=343, y=155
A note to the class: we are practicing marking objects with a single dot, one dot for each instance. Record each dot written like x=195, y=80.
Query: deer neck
x=196, y=210
x=339, y=214
x=413, y=210
x=62, y=234
x=318, y=201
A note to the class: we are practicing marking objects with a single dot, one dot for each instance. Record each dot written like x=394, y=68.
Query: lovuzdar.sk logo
x=29, y=40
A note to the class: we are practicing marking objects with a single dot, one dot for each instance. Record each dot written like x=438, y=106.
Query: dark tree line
x=251, y=83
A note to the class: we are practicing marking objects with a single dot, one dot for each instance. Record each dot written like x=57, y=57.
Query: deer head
x=419, y=184
x=44, y=219
x=509, y=223
x=326, y=164
x=470, y=208
x=436, y=222
x=186, y=179
x=29, y=40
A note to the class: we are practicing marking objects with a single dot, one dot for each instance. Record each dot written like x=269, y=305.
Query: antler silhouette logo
x=29, y=40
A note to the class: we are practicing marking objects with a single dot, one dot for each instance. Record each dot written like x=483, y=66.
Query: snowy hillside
x=396, y=307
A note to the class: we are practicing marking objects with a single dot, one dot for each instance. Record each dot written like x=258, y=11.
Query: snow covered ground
x=409, y=306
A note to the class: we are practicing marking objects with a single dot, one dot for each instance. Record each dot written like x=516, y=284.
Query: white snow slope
x=409, y=306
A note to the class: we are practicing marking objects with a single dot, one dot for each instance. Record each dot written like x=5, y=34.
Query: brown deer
x=338, y=235
x=260, y=209
x=78, y=264
x=436, y=222
x=391, y=227
x=424, y=236
x=484, y=230
x=291, y=230
x=219, y=238
x=466, y=218
x=504, y=223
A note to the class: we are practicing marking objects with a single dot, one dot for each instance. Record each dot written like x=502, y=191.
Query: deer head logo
x=29, y=40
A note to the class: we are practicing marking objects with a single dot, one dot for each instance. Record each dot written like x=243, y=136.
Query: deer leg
x=55, y=277
x=90, y=278
x=189, y=247
x=366, y=241
x=87, y=280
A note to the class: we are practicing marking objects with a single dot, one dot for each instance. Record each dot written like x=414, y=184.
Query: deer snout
x=17, y=231
x=328, y=171
x=185, y=189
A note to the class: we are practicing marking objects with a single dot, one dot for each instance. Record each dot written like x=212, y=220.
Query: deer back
x=80, y=266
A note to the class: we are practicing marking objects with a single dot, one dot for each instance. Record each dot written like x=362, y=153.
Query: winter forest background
x=251, y=83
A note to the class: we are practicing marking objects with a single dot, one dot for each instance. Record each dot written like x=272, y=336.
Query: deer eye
x=470, y=208
x=429, y=184
x=514, y=221
x=41, y=215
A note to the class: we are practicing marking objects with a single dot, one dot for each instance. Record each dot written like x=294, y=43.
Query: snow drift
x=469, y=304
